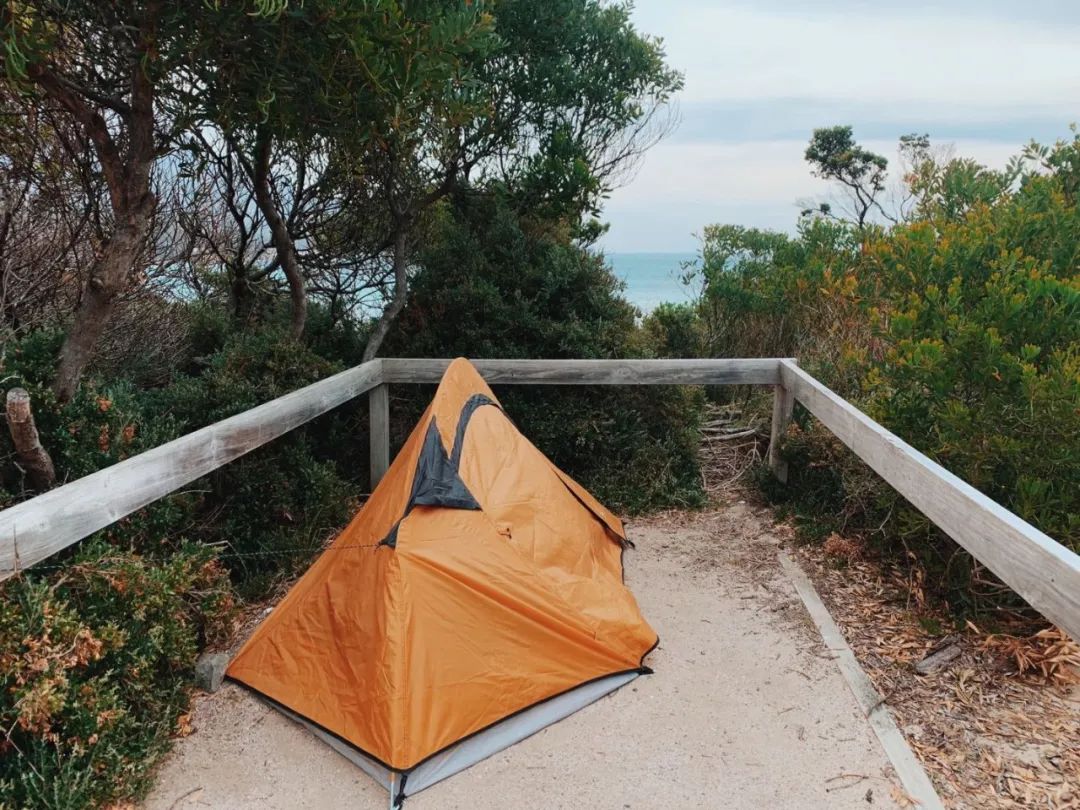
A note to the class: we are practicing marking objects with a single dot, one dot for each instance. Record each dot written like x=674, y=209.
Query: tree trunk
x=108, y=277
x=241, y=295
x=127, y=178
x=397, y=301
x=283, y=242
x=33, y=458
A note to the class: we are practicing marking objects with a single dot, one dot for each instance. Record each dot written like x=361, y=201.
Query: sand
x=746, y=709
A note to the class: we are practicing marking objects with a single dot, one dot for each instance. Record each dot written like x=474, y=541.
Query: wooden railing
x=1042, y=571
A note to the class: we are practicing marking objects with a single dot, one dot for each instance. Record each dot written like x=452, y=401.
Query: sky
x=985, y=76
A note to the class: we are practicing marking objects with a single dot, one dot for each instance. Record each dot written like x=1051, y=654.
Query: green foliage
x=981, y=367
x=834, y=155
x=272, y=509
x=95, y=663
x=674, y=330
x=767, y=294
x=497, y=284
x=959, y=331
x=269, y=511
x=355, y=73
x=568, y=80
x=104, y=422
x=350, y=122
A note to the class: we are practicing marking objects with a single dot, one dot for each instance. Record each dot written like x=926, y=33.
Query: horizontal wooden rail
x=1044, y=572
x=752, y=371
x=37, y=528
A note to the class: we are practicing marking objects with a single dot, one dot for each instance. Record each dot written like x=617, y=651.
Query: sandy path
x=745, y=710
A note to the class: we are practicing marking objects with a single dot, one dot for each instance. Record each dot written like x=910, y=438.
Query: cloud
x=780, y=118
x=988, y=75
x=681, y=187
x=905, y=55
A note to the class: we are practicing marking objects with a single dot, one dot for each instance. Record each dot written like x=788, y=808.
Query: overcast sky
x=985, y=75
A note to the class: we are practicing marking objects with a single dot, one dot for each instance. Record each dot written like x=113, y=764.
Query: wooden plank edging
x=912, y=775
x=1041, y=570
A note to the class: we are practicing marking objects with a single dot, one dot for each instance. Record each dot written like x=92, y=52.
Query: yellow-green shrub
x=959, y=331
x=95, y=662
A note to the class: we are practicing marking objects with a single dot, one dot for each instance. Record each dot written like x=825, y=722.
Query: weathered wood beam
x=35, y=529
x=34, y=459
x=1044, y=572
x=783, y=405
x=379, y=443
x=752, y=371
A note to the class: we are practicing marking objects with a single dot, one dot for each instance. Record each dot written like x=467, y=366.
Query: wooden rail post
x=379, y=408
x=783, y=405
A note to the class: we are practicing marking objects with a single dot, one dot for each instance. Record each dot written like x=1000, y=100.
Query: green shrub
x=675, y=330
x=270, y=510
x=96, y=662
x=105, y=422
x=983, y=374
x=496, y=284
x=959, y=331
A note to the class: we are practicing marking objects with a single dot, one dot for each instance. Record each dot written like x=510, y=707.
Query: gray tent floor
x=746, y=709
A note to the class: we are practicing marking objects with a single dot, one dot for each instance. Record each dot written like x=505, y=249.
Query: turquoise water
x=651, y=278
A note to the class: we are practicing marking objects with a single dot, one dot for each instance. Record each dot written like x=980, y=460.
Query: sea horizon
x=651, y=277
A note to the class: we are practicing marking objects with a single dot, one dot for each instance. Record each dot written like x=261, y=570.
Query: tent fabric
x=479, y=746
x=478, y=582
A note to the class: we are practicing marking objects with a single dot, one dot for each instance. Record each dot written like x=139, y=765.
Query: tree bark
x=108, y=277
x=283, y=242
x=33, y=458
x=127, y=175
x=397, y=300
x=241, y=296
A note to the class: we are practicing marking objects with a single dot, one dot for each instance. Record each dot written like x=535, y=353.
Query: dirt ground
x=989, y=736
x=745, y=710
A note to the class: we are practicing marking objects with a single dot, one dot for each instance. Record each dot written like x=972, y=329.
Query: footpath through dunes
x=746, y=709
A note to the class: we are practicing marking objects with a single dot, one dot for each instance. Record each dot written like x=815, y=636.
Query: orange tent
x=476, y=598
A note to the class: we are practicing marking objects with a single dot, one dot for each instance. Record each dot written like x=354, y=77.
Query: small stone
x=210, y=671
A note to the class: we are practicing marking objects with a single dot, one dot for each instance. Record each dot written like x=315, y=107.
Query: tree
x=116, y=71
x=577, y=95
x=52, y=199
x=552, y=113
x=319, y=99
x=497, y=282
x=834, y=155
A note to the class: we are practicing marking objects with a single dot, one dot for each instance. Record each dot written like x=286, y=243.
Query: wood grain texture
x=379, y=422
x=753, y=371
x=783, y=405
x=35, y=529
x=33, y=458
x=1044, y=572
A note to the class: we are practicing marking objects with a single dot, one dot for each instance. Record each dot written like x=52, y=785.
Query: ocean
x=651, y=278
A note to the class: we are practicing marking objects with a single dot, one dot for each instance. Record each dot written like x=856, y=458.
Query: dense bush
x=959, y=330
x=675, y=330
x=271, y=510
x=498, y=284
x=94, y=664
x=267, y=511
x=107, y=420
x=97, y=644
